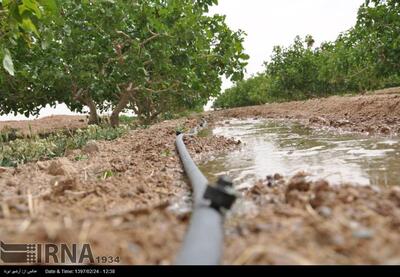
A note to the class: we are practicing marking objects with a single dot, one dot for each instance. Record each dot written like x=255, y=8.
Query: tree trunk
x=93, y=117
x=80, y=96
x=122, y=103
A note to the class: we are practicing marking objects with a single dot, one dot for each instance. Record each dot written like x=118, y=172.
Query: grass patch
x=127, y=120
x=33, y=149
x=181, y=129
x=106, y=174
x=7, y=134
x=203, y=133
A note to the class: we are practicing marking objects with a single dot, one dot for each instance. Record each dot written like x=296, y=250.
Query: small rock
x=127, y=194
x=338, y=240
x=55, y=169
x=134, y=249
x=385, y=130
x=343, y=122
x=325, y=212
x=140, y=189
x=91, y=147
x=10, y=184
x=257, y=189
x=327, y=235
x=20, y=207
x=72, y=152
x=296, y=197
x=270, y=182
x=318, y=120
x=390, y=120
x=394, y=196
x=61, y=167
x=119, y=165
x=370, y=129
x=59, y=185
x=264, y=227
x=42, y=165
x=298, y=182
x=321, y=185
x=363, y=234
x=324, y=196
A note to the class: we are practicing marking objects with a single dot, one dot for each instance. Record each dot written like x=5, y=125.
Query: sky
x=277, y=22
x=269, y=23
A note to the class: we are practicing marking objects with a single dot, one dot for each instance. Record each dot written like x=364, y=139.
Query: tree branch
x=149, y=39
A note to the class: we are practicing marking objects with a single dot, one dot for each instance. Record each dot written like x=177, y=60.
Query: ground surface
x=369, y=114
x=129, y=198
x=44, y=125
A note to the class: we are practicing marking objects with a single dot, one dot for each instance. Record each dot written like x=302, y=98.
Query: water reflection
x=279, y=147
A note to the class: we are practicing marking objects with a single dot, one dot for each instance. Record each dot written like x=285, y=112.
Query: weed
x=81, y=158
x=107, y=174
x=203, y=133
x=166, y=153
x=21, y=151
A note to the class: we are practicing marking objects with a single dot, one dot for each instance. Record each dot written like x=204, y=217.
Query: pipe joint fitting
x=221, y=196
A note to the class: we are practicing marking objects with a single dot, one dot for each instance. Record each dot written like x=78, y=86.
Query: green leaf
x=32, y=6
x=49, y=5
x=27, y=24
x=8, y=63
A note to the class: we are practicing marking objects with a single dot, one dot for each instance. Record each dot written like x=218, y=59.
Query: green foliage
x=181, y=129
x=205, y=132
x=23, y=31
x=366, y=57
x=149, y=56
x=166, y=153
x=127, y=120
x=22, y=151
x=106, y=174
x=7, y=133
x=20, y=21
x=253, y=91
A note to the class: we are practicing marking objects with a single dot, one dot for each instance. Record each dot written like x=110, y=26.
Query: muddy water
x=271, y=147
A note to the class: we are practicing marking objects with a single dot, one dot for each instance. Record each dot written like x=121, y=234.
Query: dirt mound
x=303, y=222
x=124, y=198
x=369, y=114
x=45, y=125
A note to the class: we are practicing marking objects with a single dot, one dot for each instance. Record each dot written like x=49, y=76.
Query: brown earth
x=129, y=198
x=126, y=199
x=369, y=114
x=44, y=125
x=300, y=222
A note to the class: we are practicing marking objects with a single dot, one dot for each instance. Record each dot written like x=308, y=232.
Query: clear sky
x=277, y=22
x=273, y=22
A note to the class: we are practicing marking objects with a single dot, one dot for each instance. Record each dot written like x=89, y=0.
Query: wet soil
x=284, y=146
x=376, y=114
x=129, y=197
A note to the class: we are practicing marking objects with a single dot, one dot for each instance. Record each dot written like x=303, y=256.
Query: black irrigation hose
x=203, y=243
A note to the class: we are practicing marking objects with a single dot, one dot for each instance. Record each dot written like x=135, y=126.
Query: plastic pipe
x=203, y=243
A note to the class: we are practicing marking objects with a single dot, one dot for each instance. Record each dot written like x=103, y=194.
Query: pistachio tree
x=20, y=20
x=149, y=56
x=365, y=57
x=21, y=26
